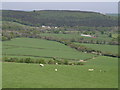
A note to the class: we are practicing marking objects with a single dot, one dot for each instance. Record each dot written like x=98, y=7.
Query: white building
x=86, y=35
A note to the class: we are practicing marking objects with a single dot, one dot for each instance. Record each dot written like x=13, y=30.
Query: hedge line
x=42, y=61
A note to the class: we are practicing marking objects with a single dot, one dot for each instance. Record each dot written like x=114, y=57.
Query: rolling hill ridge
x=59, y=18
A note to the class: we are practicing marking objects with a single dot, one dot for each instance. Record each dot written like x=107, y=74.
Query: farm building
x=87, y=35
x=46, y=27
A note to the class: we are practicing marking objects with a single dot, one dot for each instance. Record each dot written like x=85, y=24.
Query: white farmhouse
x=86, y=35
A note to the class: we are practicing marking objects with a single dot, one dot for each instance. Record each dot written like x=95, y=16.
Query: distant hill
x=112, y=14
x=7, y=25
x=59, y=18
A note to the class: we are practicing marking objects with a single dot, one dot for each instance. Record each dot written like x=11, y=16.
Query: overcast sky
x=103, y=7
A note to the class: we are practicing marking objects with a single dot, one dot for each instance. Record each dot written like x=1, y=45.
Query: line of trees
x=43, y=61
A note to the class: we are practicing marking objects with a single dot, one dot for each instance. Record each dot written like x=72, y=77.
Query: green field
x=41, y=48
x=54, y=38
x=104, y=48
x=17, y=75
x=75, y=35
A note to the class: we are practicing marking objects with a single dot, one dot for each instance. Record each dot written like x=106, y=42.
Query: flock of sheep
x=90, y=70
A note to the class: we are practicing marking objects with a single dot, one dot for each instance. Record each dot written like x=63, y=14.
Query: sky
x=102, y=7
x=60, y=0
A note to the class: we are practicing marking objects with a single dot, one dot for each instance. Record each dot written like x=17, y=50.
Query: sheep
x=56, y=63
x=82, y=61
x=90, y=70
x=41, y=65
x=56, y=70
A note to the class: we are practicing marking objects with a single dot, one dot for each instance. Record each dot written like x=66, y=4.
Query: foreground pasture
x=16, y=75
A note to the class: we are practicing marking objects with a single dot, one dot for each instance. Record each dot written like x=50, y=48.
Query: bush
x=6, y=59
x=71, y=63
x=65, y=62
x=59, y=62
x=28, y=60
x=80, y=63
x=21, y=60
x=51, y=62
x=42, y=61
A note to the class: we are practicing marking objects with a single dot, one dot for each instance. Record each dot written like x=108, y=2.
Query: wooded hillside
x=59, y=18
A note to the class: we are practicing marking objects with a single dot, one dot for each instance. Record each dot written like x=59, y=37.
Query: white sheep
x=42, y=65
x=82, y=61
x=56, y=70
x=90, y=70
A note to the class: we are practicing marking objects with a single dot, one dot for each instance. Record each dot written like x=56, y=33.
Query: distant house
x=87, y=35
x=46, y=27
x=43, y=26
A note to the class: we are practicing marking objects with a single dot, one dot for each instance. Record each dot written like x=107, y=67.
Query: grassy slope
x=103, y=48
x=32, y=76
x=38, y=47
x=8, y=25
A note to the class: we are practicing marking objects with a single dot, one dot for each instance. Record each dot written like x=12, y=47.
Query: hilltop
x=59, y=18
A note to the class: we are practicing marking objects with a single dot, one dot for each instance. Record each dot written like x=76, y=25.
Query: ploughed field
x=17, y=75
x=41, y=48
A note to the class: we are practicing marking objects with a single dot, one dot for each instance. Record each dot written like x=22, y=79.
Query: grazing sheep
x=41, y=65
x=56, y=63
x=82, y=61
x=56, y=70
x=90, y=70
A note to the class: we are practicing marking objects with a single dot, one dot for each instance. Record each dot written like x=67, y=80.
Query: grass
x=41, y=48
x=77, y=36
x=104, y=48
x=16, y=75
x=21, y=75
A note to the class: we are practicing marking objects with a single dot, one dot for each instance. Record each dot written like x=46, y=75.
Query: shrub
x=65, y=62
x=28, y=60
x=51, y=62
x=21, y=60
x=70, y=63
x=41, y=61
x=6, y=59
x=59, y=62
x=80, y=63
